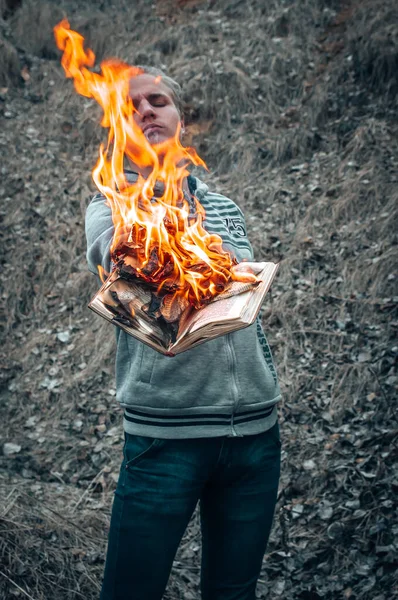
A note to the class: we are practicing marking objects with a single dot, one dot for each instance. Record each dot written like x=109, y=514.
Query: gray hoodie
x=226, y=386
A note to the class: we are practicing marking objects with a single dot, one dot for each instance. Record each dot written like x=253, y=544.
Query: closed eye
x=158, y=100
x=153, y=99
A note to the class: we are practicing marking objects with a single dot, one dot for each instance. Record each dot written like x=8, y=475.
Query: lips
x=150, y=128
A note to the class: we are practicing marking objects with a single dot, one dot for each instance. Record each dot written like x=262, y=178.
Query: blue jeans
x=160, y=483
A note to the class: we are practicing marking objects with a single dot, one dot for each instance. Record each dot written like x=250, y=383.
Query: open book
x=237, y=307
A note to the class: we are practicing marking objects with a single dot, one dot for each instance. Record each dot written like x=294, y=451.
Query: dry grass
x=293, y=109
x=375, y=48
x=46, y=546
x=33, y=24
x=10, y=69
x=7, y=7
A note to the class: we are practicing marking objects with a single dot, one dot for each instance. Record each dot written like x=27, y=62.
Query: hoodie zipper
x=235, y=388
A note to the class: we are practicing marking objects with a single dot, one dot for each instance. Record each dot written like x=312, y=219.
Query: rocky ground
x=293, y=107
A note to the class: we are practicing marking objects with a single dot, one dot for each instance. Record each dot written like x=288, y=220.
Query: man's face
x=157, y=115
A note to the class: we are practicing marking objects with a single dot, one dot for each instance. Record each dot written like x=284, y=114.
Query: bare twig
x=87, y=490
x=319, y=332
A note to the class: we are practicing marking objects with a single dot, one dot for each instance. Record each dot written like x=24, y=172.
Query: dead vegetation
x=375, y=54
x=32, y=25
x=293, y=106
x=9, y=64
x=48, y=547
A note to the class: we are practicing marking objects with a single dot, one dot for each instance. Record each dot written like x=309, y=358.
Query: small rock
x=364, y=357
x=279, y=587
x=10, y=448
x=325, y=511
x=298, y=167
x=297, y=510
x=27, y=474
x=50, y=384
x=64, y=336
x=31, y=422
x=113, y=432
x=309, y=465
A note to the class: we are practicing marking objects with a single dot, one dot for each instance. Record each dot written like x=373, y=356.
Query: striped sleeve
x=226, y=219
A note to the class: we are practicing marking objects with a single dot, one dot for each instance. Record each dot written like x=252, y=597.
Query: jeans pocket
x=138, y=447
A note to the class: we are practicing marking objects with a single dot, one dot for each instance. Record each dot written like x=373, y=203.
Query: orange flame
x=103, y=275
x=160, y=240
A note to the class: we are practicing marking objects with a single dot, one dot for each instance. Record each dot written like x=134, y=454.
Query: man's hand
x=245, y=272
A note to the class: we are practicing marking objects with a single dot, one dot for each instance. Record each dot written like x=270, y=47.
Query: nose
x=146, y=109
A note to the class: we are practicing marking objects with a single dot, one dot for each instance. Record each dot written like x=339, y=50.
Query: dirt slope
x=293, y=107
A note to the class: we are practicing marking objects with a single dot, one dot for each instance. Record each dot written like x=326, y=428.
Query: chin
x=156, y=138
x=161, y=139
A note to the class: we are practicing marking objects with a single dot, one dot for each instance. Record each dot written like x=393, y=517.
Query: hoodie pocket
x=146, y=364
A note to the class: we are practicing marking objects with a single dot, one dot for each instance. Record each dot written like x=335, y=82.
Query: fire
x=158, y=236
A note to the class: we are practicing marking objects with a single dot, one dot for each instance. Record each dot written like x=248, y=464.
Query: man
x=198, y=426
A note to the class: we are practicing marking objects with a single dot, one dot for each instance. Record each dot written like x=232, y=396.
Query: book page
x=243, y=307
x=222, y=310
x=137, y=328
x=207, y=333
x=235, y=289
x=120, y=302
x=192, y=319
x=257, y=297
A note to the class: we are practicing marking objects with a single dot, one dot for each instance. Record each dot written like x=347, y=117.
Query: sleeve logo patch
x=235, y=226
